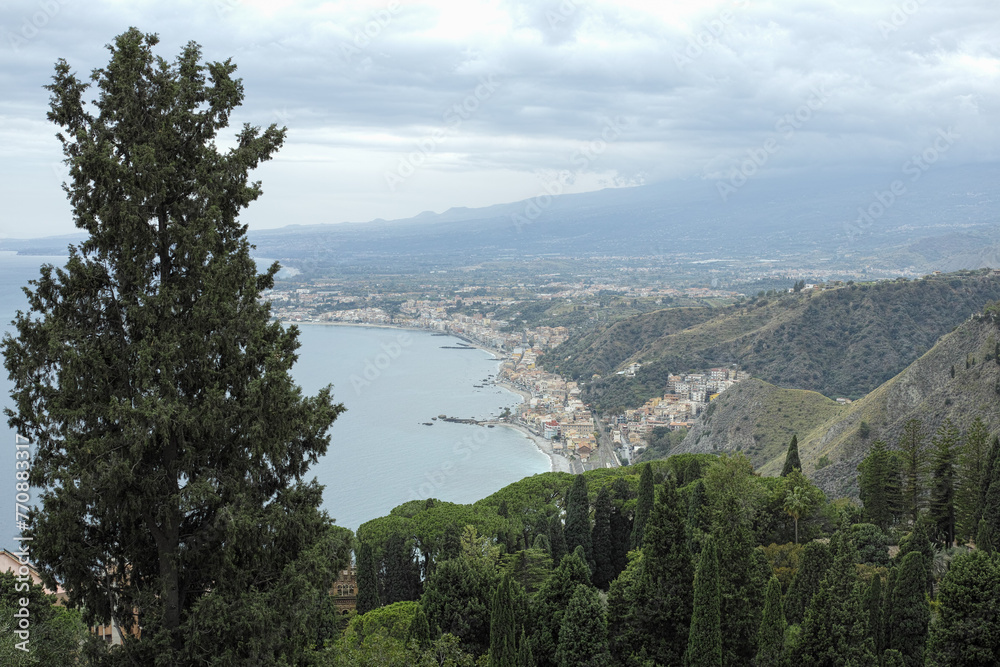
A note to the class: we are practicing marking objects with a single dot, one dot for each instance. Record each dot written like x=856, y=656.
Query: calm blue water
x=380, y=454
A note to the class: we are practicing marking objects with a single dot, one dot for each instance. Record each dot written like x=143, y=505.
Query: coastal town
x=552, y=413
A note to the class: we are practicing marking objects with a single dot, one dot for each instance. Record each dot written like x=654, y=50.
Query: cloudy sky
x=394, y=107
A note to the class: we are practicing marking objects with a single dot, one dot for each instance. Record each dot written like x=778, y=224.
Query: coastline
x=557, y=462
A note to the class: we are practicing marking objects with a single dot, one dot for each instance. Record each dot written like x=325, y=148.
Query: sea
x=390, y=444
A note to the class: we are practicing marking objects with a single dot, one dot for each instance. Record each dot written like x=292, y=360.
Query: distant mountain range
x=946, y=220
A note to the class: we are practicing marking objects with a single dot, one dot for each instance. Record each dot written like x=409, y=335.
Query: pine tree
x=503, y=626
x=171, y=442
x=892, y=658
x=420, y=629
x=644, y=505
x=911, y=446
x=991, y=497
x=970, y=479
x=878, y=484
x=602, y=540
x=367, y=579
x=771, y=636
x=967, y=630
x=942, y=505
x=578, y=520
x=984, y=538
x=910, y=614
x=874, y=612
x=792, y=461
x=704, y=647
x=583, y=635
x=668, y=574
x=451, y=542
x=814, y=561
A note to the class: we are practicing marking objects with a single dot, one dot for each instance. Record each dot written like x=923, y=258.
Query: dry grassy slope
x=758, y=418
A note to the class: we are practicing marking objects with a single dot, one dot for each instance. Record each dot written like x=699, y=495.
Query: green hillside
x=838, y=342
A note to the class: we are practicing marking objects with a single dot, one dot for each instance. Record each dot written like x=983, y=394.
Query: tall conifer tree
x=367, y=579
x=601, y=538
x=792, y=461
x=771, y=636
x=644, y=504
x=942, y=505
x=704, y=647
x=171, y=442
x=578, y=520
x=910, y=614
x=970, y=478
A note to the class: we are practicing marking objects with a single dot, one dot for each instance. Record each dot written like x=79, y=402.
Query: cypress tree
x=549, y=605
x=400, y=580
x=621, y=526
x=697, y=519
x=873, y=609
x=602, y=540
x=771, y=636
x=420, y=629
x=524, y=655
x=578, y=520
x=814, y=561
x=644, y=505
x=892, y=658
x=792, y=461
x=557, y=539
x=967, y=630
x=890, y=586
x=942, y=505
x=742, y=590
x=919, y=542
x=367, y=579
x=835, y=629
x=451, y=543
x=704, y=647
x=583, y=634
x=669, y=575
x=910, y=614
x=984, y=539
x=876, y=476
x=503, y=626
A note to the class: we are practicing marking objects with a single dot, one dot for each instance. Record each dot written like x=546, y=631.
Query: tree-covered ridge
x=838, y=342
x=717, y=577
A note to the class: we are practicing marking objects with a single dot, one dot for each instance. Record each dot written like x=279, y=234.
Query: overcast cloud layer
x=398, y=107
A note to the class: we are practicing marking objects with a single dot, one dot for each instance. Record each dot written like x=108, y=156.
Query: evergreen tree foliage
x=451, y=543
x=583, y=636
x=697, y=516
x=792, y=461
x=602, y=540
x=557, y=539
x=54, y=635
x=529, y=567
x=524, y=655
x=871, y=543
x=704, y=647
x=668, y=574
x=621, y=526
x=914, y=457
x=815, y=560
x=942, y=504
x=399, y=578
x=549, y=605
x=910, y=614
x=919, y=542
x=835, y=629
x=457, y=597
x=892, y=658
x=420, y=629
x=171, y=441
x=503, y=626
x=626, y=599
x=991, y=497
x=771, y=636
x=578, y=520
x=967, y=630
x=984, y=538
x=971, y=479
x=644, y=505
x=879, y=486
x=890, y=585
x=874, y=613
x=368, y=598
x=742, y=594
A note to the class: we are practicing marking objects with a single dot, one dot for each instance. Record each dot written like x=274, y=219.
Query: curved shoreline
x=557, y=462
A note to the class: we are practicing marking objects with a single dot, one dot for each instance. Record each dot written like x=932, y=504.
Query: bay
x=392, y=382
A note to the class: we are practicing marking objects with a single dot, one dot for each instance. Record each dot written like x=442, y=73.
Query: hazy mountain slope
x=841, y=342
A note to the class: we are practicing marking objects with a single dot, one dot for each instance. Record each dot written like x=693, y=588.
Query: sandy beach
x=559, y=462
